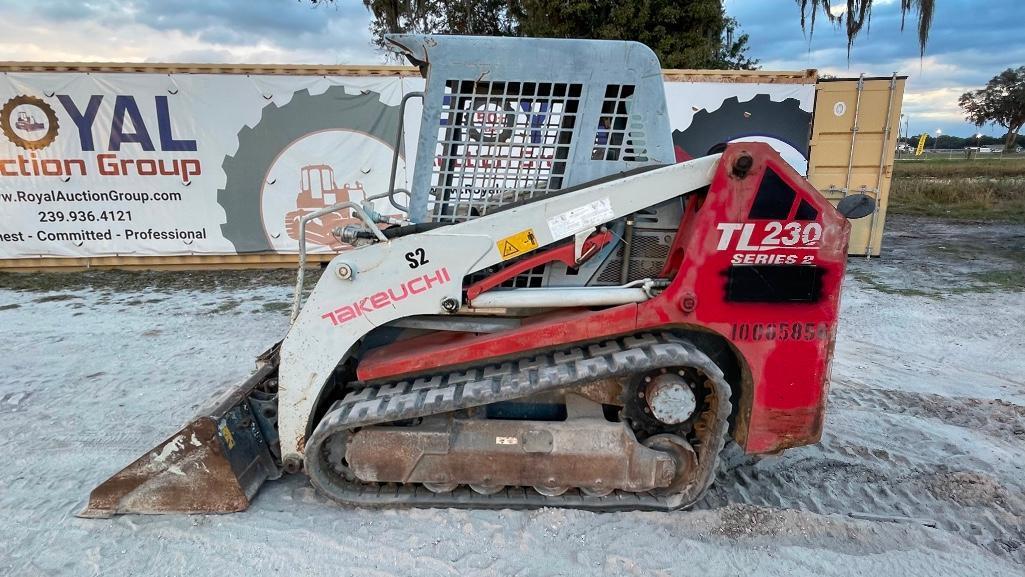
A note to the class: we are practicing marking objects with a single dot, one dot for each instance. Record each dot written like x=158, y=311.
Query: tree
x=691, y=34
x=477, y=17
x=684, y=33
x=733, y=50
x=1001, y=102
x=858, y=14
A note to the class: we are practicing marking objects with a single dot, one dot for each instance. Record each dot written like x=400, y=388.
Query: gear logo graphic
x=254, y=214
x=761, y=116
x=29, y=122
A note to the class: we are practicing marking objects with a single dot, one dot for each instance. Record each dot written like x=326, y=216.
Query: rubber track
x=509, y=380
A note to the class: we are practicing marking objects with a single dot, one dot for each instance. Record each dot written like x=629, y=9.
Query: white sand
x=91, y=382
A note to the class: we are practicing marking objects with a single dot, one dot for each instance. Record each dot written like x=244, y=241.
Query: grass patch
x=55, y=298
x=942, y=168
x=874, y=284
x=966, y=190
x=276, y=306
x=988, y=281
x=9, y=307
x=1003, y=279
x=226, y=306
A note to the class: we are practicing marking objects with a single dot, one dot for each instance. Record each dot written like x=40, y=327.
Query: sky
x=971, y=41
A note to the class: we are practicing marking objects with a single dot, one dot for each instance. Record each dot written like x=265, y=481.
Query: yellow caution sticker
x=229, y=439
x=517, y=244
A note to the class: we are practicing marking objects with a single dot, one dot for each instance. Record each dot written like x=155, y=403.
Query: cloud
x=227, y=22
x=970, y=42
x=249, y=31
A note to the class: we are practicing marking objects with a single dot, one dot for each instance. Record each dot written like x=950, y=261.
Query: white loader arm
x=416, y=274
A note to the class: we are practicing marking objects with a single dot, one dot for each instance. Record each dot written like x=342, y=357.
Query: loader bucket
x=214, y=464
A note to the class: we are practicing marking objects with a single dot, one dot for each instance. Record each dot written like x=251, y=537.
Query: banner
x=921, y=144
x=138, y=164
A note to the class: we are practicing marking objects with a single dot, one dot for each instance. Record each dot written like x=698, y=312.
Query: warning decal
x=517, y=244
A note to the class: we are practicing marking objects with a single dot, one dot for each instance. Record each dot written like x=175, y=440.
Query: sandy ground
x=920, y=469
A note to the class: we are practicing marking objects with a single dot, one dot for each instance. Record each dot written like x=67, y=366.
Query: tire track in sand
x=908, y=475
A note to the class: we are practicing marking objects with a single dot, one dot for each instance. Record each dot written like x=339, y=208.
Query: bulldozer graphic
x=23, y=118
x=28, y=123
x=317, y=189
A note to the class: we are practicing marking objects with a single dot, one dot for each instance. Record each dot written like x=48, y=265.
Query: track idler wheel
x=596, y=491
x=441, y=487
x=550, y=491
x=487, y=489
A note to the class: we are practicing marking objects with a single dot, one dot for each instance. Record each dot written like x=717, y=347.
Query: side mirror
x=856, y=206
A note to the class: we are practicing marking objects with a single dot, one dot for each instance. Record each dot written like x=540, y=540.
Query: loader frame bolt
x=292, y=464
x=688, y=303
x=742, y=165
x=450, y=305
x=344, y=271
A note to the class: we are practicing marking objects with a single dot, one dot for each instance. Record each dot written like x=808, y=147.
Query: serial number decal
x=781, y=331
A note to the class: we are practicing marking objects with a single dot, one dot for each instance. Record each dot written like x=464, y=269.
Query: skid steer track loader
x=564, y=318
